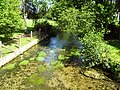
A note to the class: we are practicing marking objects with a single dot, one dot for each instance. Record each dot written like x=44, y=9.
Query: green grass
x=6, y=51
x=21, y=31
x=30, y=23
x=13, y=43
x=114, y=47
x=53, y=23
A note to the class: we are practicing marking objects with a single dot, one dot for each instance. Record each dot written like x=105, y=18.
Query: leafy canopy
x=88, y=22
x=10, y=19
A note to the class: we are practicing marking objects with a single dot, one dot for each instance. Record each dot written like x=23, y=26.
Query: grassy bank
x=13, y=42
x=114, y=46
x=114, y=55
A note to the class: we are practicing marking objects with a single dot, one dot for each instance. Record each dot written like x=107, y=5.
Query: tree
x=88, y=22
x=25, y=15
x=84, y=23
x=33, y=9
x=69, y=21
x=10, y=19
x=118, y=1
x=42, y=8
x=57, y=8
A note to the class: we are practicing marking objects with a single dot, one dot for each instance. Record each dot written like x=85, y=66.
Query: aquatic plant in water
x=57, y=64
x=24, y=62
x=35, y=79
x=41, y=68
x=41, y=56
x=10, y=66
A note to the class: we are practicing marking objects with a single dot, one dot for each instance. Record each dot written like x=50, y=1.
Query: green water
x=38, y=69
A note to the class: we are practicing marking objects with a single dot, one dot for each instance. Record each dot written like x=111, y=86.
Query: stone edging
x=17, y=52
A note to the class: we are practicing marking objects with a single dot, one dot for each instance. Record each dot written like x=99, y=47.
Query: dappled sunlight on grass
x=13, y=42
x=11, y=47
x=114, y=47
x=51, y=22
x=15, y=45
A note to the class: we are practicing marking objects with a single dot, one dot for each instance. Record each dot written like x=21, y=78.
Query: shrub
x=95, y=50
x=10, y=19
x=43, y=27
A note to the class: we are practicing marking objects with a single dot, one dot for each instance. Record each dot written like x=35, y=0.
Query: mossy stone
x=42, y=54
x=94, y=74
x=35, y=79
x=57, y=64
x=40, y=58
x=41, y=68
x=10, y=66
x=25, y=62
x=32, y=59
x=61, y=57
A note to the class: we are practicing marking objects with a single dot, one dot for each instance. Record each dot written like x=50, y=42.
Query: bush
x=115, y=69
x=95, y=50
x=10, y=19
x=43, y=27
x=46, y=27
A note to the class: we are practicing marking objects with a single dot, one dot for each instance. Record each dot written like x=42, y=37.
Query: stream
x=39, y=69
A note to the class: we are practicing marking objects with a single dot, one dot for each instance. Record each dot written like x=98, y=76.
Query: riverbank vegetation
x=90, y=22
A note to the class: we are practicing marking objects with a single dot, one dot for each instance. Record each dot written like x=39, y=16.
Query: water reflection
x=63, y=41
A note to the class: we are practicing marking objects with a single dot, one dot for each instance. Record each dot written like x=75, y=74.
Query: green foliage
x=41, y=68
x=10, y=20
x=78, y=22
x=23, y=63
x=95, y=51
x=114, y=67
x=74, y=52
x=106, y=12
x=41, y=58
x=42, y=9
x=114, y=63
x=57, y=8
x=42, y=54
x=57, y=65
x=41, y=24
x=35, y=79
x=50, y=22
x=32, y=59
x=88, y=21
x=103, y=13
x=35, y=8
x=68, y=20
x=63, y=55
x=10, y=66
x=46, y=27
x=82, y=24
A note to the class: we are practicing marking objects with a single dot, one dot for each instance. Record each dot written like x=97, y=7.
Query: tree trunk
x=25, y=15
x=25, y=21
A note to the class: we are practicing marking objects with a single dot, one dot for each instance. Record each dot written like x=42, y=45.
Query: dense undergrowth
x=89, y=24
